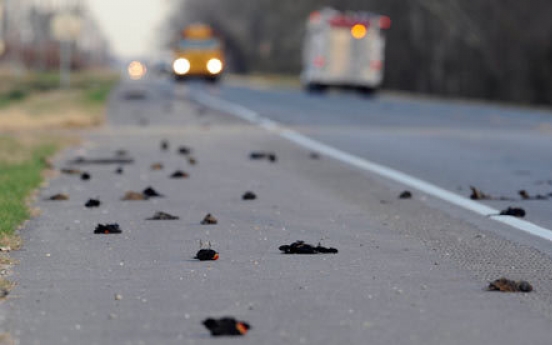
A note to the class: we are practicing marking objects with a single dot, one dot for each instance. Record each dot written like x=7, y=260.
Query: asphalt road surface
x=407, y=272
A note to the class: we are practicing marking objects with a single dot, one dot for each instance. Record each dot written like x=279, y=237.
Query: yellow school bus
x=198, y=53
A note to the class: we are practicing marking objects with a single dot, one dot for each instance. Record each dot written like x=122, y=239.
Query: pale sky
x=130, y=25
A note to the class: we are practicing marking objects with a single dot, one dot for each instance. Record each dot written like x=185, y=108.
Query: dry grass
x=6, y=339
x=52, y=110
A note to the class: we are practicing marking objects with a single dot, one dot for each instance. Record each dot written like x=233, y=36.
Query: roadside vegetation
x=34, y=117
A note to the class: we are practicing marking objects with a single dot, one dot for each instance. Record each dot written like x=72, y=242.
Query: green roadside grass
x=31, y=107
x=21, y=166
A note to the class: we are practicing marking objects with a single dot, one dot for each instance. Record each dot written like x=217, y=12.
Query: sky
x=130, y=25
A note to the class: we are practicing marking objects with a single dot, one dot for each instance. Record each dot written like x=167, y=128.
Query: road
x=407, y=271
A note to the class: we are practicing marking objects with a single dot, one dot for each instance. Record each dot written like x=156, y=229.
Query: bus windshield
x=199, y=44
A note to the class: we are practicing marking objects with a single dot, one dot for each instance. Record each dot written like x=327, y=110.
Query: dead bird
x=119, y=171
x=92, y=203
x=513, y=211
x=71, y=171
x=258, y=155
x=249, y=196
x=300, y=247
x=164, y=145
x=152, y=193
x=525, y=196
x=405, y=195
x=478, y=195
x=156, y=166
x=85, y=176
x=209, y=220
x=130, y=195
x=162, y=216
x=192, y=161
x=184, y=150
x=121, y=152
x=108, y=229
x=226, y=326
x=507, y=285
x=314, y=155
x=179, y=174
x=207, y=255
x=58, y=197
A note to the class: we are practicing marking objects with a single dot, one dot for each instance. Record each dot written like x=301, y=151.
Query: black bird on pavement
x=226, y=326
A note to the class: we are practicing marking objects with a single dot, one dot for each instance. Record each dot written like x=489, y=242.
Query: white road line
x=364, y=164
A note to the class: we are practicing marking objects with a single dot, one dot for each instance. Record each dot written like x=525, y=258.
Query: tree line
x=499, y=50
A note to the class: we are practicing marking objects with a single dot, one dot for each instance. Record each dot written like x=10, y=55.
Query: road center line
x=364, y=164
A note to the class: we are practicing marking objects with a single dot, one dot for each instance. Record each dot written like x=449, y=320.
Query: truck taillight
x=319, y=61
x=314, y=17
x=385, y=22
x=376, y=64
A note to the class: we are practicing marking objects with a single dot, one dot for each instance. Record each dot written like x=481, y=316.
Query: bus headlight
x=181, y=66
x=214, y=66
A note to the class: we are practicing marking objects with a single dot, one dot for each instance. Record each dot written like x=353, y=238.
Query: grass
x=36, y=102
x=21, y=166
x=31, y=106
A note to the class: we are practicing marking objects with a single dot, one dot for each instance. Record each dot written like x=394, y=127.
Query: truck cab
x=344, y=49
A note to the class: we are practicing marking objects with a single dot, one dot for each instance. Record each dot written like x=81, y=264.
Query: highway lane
x=406, y=273
x=499, y=149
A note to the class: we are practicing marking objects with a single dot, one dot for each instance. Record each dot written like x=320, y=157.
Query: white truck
x=344, y=49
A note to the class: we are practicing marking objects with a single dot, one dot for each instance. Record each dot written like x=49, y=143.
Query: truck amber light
x=181, y=66
x=358, y=31
x=214, y=66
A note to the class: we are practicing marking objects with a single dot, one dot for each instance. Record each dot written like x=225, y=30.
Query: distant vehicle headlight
x=214, y=66
x=181, y=66
x=136, y=70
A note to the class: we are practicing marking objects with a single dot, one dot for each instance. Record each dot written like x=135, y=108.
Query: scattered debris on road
x=184, y=150
x=85, y=176
x=92, y=203
x=179, y=174
x=209, y=220
x=118, y=297
x=121, y=153
x=71, y=171
x=258, y=155
x=58, y=197
x=207, y=255
x=405, y=195
x=108, y=229
x=300, y=247
x=507, y=285
x=162, y=216
x=152, y=193
x=249, y=196
x=478, y=195
x=89, y=161
x=513, y=211
x=131, y=196
x=156, y=166
x=226, y=326
x=525, y=196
